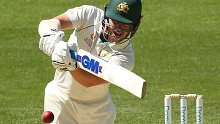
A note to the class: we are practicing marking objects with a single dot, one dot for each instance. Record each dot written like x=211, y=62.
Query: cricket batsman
x=74, y=95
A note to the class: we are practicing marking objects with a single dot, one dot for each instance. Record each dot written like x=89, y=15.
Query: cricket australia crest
x=105, y=55
x=123, y=7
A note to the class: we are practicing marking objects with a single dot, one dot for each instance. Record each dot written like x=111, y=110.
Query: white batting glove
x=61, y=58
x=49, y=40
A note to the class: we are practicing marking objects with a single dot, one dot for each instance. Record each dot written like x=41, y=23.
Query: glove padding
x=49, y=40
x=61, y=58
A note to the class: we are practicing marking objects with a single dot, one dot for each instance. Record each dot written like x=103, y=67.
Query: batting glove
x=49, y=40
x=61, y=58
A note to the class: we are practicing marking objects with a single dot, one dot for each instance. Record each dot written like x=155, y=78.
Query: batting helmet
x=124, y=11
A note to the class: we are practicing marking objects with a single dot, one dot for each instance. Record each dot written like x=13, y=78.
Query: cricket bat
x=110, y=72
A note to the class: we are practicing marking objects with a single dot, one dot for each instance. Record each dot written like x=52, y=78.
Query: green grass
x=177, y=50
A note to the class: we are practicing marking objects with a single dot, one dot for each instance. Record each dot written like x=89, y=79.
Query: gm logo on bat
x=90, y=64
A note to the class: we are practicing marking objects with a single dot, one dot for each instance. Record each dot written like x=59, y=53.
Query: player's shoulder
x=91, y=8
x=125, y=60
x=124, y=47
x=123, y=55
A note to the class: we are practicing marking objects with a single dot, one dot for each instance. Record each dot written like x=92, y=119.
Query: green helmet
x=125, y=11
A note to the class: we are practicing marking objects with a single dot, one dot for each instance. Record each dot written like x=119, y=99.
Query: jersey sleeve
x=125, y=60
x=123, y=55
x=120, y=54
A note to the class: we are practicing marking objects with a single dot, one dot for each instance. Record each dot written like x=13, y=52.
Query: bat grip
x=73, y=54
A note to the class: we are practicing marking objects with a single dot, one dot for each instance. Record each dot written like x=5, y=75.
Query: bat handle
x=73, y=54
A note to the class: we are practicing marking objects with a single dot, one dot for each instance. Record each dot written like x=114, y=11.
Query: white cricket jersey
x=86, y=21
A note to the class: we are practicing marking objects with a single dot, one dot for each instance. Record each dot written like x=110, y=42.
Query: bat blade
x=111, y=72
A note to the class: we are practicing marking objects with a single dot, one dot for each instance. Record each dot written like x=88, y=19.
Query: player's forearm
x=86, y=79
x=65, y=21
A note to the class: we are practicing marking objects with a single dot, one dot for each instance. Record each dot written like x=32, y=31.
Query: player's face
x=117, y=31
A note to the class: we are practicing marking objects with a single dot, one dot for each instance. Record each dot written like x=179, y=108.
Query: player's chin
x=115, y=39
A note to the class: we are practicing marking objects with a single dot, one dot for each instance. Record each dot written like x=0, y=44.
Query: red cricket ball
x=47, y=117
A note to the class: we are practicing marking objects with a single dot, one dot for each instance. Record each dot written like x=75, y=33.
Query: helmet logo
x=123, y=7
